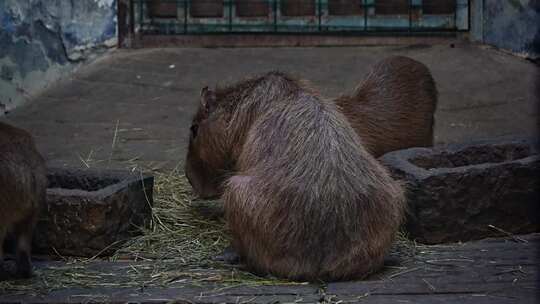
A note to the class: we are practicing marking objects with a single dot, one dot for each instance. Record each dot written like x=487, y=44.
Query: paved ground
x=134, y=108
x=488, y=271
x=142, y=100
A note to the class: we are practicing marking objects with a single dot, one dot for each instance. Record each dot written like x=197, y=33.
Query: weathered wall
x=508, y=24
x=42, y=41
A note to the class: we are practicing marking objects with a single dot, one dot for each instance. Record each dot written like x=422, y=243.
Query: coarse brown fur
x=393, y=107
x=303, y=198
x=23, y=183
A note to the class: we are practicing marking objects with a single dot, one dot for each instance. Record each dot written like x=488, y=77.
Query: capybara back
x=393, y=108
x=303, y=198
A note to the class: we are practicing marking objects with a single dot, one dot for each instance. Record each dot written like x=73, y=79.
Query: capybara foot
x=392, y=261
x=228, y=256
x=24, y=266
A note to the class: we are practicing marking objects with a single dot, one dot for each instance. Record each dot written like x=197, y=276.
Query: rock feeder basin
x=88, y=212
x=467, y=192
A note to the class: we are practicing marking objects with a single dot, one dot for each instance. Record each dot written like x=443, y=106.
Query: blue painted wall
x=508, y=24
x=42, y=41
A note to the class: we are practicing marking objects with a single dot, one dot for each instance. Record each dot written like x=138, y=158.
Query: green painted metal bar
x=185, y=7
x=410, y=15
x=275, y=14
x=141, y=17
x=132, y=16
x=323, y=20
x=319, y=13
x=230, y=5
x=365, y=11
x=455, y=14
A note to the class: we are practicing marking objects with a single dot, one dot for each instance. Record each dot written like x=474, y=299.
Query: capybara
x=393, y=107
x=23, y=184
x=303, y=198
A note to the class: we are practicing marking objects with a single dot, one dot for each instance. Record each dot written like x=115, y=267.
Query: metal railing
x=177, y=17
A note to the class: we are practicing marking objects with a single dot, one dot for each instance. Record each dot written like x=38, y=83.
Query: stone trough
x=90, y=211
x=467, y=192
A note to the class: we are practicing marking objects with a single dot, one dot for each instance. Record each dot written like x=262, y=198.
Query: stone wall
x=508, y=24
x=42, y=41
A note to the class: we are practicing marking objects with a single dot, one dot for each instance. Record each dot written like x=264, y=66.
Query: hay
x=178, y=248
x=178, y=231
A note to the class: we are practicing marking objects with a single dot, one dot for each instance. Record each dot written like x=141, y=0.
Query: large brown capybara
x=303, y=198
x=393, y=107
x=23, y=184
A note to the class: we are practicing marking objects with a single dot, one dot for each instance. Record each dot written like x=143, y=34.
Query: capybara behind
x=303, y=198
x=393, y=107
x=23, y=183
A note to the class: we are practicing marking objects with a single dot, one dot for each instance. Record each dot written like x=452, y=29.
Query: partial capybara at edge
x=23, y=184
x=303, y=198
x=393, y=107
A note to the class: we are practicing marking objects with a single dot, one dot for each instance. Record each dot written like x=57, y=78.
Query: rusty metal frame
x=126, y=26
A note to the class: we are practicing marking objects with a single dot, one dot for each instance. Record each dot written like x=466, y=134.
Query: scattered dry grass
x=178, y=248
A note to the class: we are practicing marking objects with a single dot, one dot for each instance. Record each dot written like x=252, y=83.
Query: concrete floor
x=491, y=271
x=134, y=107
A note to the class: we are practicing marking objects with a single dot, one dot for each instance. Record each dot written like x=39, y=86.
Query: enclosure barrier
x=177, y=17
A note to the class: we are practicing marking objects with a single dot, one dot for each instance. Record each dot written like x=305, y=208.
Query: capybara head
x=209, y=150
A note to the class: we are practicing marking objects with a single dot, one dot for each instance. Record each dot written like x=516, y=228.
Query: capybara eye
x=194, y=128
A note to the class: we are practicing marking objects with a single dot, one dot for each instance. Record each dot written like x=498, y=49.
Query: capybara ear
x=204, y=90
x=208, y=100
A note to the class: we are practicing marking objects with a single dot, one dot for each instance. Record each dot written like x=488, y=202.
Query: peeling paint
x=42, y=41
x=513, y=25
x=517, y=4
x=105, y=3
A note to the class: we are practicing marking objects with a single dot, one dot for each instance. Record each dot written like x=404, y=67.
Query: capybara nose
x=200, y=191
x=193, y=187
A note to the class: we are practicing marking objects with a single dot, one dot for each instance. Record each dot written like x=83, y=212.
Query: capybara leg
x=236, y=192
x=3, y=272
x=241, y=201
x=24, y=263
x=3, y=232
x=23, y=233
